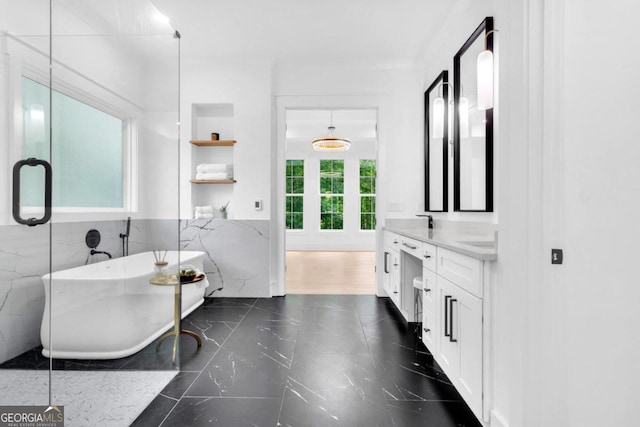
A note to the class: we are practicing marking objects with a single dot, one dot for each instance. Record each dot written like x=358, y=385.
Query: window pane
x=298, y=185
x=295, y=203
x=87, y=150
x=367, y=186
x=331, y=190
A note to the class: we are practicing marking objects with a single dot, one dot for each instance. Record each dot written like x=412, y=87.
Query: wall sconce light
x=439, y=112
x=485, y=75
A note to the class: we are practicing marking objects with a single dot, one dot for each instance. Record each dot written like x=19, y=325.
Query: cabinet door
x=429, y=330
x=448, y=349
x=395, y=278
x=386, y=272
x=429, y=290
x=461, y=341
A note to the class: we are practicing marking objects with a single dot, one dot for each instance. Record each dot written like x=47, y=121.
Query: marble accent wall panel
x=237, y=260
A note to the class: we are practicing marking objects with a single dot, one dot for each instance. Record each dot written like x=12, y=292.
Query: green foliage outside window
x=331, y=190
x=294, y=198
x=367, y=194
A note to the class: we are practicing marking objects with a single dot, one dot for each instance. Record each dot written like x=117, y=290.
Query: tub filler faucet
x=92, y=239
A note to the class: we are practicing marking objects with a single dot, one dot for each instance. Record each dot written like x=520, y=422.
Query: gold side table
x=176, y=283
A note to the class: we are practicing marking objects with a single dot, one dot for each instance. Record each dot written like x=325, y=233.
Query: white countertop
x=473, y=245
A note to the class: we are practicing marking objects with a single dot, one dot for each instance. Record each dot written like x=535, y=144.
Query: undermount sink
x=479, y=243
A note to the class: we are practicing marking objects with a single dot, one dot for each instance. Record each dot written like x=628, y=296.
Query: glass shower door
x=25, y=202
x=90, y=102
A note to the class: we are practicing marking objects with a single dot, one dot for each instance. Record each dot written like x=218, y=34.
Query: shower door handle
x=32, y=161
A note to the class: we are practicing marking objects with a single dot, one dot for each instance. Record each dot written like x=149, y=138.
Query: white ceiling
x=305, y=125
x=386, y=31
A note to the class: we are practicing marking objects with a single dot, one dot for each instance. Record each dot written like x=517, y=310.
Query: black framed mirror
x=436, y=145
x=472, y=128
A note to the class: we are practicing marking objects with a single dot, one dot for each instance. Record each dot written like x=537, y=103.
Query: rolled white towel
x=203, y=215
x=211, y=176
x=204, y=209
x=211, y=167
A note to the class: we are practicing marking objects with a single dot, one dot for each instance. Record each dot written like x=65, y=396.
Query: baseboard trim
x=496, y=420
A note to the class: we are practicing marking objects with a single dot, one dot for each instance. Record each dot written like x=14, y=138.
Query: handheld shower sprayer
x=125, y=238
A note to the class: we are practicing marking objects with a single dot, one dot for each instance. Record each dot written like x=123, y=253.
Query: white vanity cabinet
x=391, y=278
x=429, y=294
x=455, y=300
x=459, y=342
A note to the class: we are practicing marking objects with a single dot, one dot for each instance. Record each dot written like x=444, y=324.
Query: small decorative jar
x=161, y=270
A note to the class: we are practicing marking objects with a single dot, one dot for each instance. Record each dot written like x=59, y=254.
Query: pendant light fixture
x=330, y=142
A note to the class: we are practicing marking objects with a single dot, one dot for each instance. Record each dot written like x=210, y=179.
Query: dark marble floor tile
x=274, y=340
x=323, y=320
x=30, y=359
x=432, y=414
x=228, y=302
x=234, y=374
x=392, y=331
x=213, y=333
x=220, y=313
x=304, y=408
x=333, y=302
x=337, y=376
x=157, y=410
x=195, y=412
x=179, y=384
x=287, y=306
x=409, y=375
x=373, y=309
x=330, y=342
x=262, y=314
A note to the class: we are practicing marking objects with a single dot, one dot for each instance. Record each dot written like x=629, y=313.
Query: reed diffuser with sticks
x=161, y=268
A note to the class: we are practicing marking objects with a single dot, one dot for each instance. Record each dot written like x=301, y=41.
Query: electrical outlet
x=556, y=256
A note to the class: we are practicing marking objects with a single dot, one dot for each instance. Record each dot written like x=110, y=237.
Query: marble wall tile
x=237, y=262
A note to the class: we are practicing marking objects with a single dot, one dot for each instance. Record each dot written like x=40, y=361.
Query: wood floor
x=343, y=273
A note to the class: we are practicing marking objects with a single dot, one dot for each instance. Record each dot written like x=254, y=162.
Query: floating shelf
x=209, y=143
x=213, y=181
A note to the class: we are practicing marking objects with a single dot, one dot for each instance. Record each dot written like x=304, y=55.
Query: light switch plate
x=556, y=256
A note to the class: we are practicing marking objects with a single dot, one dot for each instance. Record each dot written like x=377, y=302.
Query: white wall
x=602, y=185
x=248, y=87
x=565, y=347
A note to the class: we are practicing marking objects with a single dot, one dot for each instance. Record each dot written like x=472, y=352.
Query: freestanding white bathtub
x=109, y=310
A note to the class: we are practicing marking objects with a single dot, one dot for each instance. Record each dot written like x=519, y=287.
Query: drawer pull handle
x=427, y=330
x=427, y=256
x=446, y=316
x=395, y=242
x=409, y=246
x=451, y=301
x=426, y=289
x=395, y=292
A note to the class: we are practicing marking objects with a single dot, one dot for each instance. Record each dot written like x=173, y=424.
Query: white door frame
x=278, y=226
